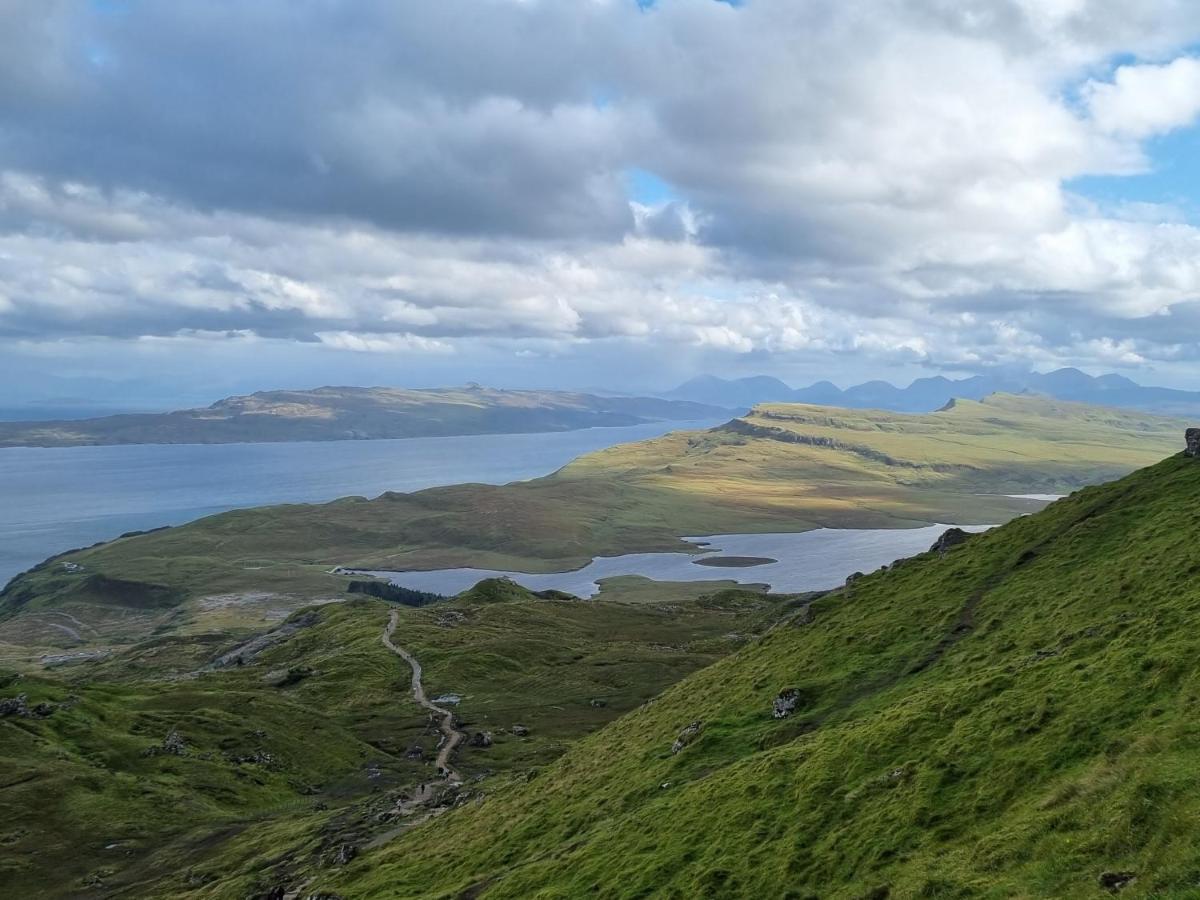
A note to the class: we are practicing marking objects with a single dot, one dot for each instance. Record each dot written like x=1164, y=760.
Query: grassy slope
x=946, y=466
x=81, y=802
x=1013, y=719
x=327, y=414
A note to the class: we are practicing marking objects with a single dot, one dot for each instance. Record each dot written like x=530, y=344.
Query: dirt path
x=451, y=736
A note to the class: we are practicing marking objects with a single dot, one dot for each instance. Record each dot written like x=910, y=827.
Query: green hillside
x=781, y=468
x=1017, y=717
x=221, y=766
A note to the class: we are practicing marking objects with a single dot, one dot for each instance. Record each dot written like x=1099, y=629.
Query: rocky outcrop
x=172, y=745
x=244, y=654
x=1192, y=438
x=481, y=739
x=687, y=736
x=950, y=539
x=785, y=704
x=343, y=854
x=15, y=706
x=520, y=731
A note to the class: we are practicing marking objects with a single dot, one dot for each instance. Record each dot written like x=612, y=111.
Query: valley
x=310, y=737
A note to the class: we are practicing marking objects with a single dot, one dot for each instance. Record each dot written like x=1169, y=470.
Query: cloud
x=883, y=181
x=382, y=343
x=1144, y=100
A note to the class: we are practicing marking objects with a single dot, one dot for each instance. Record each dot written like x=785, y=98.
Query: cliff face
x=1193, y=442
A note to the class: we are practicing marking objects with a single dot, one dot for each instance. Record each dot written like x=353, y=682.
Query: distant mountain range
x=927, y=394
x=356, y=413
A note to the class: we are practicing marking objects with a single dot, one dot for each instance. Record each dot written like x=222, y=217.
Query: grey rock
x=14, y=706
x=785, y=704
x=597, y=702
x=520, y=730
x=416, y=751
x=687, y=736
x=174, y=743
x=481, y=739
x=258, y=758
x=344, y=853
x=950, y=538
x=1192, y=438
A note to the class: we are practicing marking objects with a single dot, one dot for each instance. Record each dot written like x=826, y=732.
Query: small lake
x=806, y=561
x=56, y=499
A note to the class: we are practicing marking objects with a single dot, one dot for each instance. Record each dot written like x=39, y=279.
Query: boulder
x=416, y=751
x=14, y=706
x=174, y=744
x=597, y=702
x=481, y=739
x=1192, y=438
x=950, y=538
x=785, y=704
x=520, y=730
x=344, y=854
x=689, y=734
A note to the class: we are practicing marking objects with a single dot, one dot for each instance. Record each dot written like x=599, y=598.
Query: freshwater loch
x=802, y=561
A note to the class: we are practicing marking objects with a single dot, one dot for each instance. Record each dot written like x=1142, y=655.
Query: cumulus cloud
x=888, y=181
x=1143, y=100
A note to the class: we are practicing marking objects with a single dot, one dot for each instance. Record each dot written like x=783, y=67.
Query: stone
x=689, y=734
x=416, y=751
x=597, y=702
x=14, y=706
x=520, y=730
x=174, y=744
x=344, y=854
x=950, y=538
x=481, y=739
x=1192, y=438
x=785, y=704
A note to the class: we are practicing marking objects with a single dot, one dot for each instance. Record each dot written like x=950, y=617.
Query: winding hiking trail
x=452, y=737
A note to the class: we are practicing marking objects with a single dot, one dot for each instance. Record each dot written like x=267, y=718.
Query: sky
x=204, y=197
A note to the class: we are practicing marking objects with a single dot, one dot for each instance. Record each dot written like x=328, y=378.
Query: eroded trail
x=451, y=736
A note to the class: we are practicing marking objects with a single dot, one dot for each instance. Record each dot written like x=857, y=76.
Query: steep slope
x=353, y=413
x=1013, y=717
x=780, y=468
